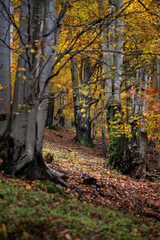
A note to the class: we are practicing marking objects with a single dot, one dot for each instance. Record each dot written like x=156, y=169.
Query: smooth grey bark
x=112, y=40
x=38, y=23
x=23, y=91
x=5, y=89
x=139, y=141
x=80, y=99
x=108, y=38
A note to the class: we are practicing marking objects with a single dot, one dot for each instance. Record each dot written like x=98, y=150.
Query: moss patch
x=29, y=211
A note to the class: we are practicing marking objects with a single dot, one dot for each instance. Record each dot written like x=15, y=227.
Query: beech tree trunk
x=112, y=45
x=5, y=91
x=50, y=112
x=39, y=31
x=81, y=107
x=139, y=141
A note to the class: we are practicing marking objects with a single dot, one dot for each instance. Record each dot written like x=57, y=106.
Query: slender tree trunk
x=50, y=112
x=158, y=75
x=59, y=118
x=112, y=40
x=94, y=123
x=139, y=141
x=118, y=143
x=158, y=88
x=104, y=147
x=5, y=91
x=81, y=107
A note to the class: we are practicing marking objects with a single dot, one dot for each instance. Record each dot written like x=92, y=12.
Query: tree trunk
x=81, y=107
x=158, y=75
x=25, y=136
x=59, y=118
x=158, y=88
x=139, y=132
x=104, y=147
x=112, y=41
x=5, y=91
x=50, y=112
x=94, y=132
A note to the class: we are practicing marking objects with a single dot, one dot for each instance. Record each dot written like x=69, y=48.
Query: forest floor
x=101, y=204
x=93, y=182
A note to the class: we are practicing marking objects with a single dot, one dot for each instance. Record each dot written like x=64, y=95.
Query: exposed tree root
x=22, y=162
x=54, y=176
x=37, y=169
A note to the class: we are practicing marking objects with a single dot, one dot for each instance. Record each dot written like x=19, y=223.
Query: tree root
x=22, y=162
x=53, y=176
x=28, y=169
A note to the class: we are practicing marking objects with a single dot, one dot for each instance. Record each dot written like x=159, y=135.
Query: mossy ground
x=38, y=210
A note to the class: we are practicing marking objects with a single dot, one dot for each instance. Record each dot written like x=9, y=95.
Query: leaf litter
x=93, y=182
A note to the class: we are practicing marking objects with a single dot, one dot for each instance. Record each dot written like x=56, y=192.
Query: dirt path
x=64, y=137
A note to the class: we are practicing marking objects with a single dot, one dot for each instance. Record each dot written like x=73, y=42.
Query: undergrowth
x=39, y=210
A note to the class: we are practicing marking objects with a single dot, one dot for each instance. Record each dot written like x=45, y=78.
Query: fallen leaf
x=68, y=237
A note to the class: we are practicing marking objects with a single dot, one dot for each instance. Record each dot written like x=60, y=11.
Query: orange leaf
x=68, y=237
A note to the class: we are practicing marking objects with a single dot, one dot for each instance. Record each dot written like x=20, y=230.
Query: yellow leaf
x=32, y=50
x=59, y=85
x=83, y=110
x=123, y=95
x=28, y=187
x=4, y=229
x=26, y=46
x=21, y=69
x=24, y=77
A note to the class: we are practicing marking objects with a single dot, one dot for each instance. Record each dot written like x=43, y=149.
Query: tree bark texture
x=158, y=88
x=50, y=112
x=5, y=91
x=139, y=141
x=81, y=106
x=112, y=41
x=39, y=32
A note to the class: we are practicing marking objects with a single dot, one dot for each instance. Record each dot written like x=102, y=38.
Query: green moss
x=52, y=188
x=31, y=212
x=87, y=142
